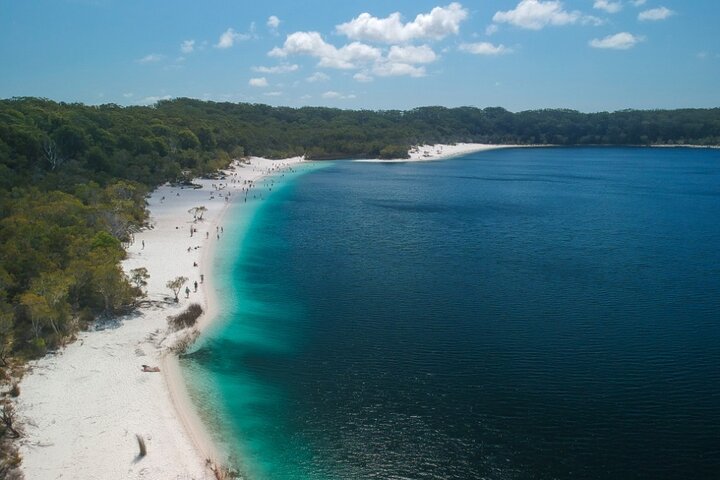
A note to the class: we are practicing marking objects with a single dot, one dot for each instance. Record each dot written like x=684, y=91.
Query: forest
x=73, y=180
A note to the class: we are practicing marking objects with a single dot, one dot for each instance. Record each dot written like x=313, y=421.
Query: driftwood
x=141, y=445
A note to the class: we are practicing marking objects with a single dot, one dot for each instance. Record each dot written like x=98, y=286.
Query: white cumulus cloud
x=312, y=44
x=436, y=25
x=619, y=41
x=411, y=54
x=332, y=95
x=608, y=6
x=491, y=29
x=371, y=61
x=318, y=77
x=639, y=3
x=284, y=68
x=273, y=22
x=660, y=13
x=151, y=58
x=153, y=99
x=485, y=48
x=537, y=14
x=229, y=37
x=260, y=82
x=363, y=77
x=187, y=46
x=397, y=69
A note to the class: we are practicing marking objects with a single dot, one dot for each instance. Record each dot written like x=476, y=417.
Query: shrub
x=182, y=344
x=38, y=346
x=186, y=319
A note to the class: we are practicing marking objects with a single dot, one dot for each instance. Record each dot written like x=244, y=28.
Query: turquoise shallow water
x=535, y=313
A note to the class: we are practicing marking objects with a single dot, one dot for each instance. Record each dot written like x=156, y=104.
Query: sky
x=587, y=55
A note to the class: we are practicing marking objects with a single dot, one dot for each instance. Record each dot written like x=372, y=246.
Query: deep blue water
x=516, y=314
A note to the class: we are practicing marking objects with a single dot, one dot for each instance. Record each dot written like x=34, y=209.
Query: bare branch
x=52, y=154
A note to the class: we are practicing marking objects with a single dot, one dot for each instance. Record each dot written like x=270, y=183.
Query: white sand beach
x=83, y=405
x=422, y=153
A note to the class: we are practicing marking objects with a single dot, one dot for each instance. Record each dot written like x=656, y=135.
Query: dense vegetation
x=73, y=179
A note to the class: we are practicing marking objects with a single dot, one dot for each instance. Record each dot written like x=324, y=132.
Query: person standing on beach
x=187, y=292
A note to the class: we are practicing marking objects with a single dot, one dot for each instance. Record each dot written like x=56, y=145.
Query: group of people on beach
x=248, y=185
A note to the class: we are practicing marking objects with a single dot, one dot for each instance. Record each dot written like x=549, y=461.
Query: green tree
x=110, y=282
x=52, y=288
x=198, y=212
x=187, y=139
x=139, y=277
x=7, y=337
x=38, y=311
x=175, y=285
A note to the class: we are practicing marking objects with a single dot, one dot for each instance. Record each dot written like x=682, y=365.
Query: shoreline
x=187, y=410
x=88, y=431
x=210, y=450
x=428, y=153
x=709, y=147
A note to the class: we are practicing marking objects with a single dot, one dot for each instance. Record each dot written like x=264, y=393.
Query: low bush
x=187, y=318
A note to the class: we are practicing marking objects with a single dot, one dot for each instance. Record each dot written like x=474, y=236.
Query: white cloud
x=318, y=77
x=258, y=82
x=332, y=95
x=608, y=6
x=363, y=77
x=128, y=95
x=485, y=48
x=311, y=43
x=639, y=3
x=400, y=59
x=151, y=58
x=229, y=37
x=411, y=54
x=660, y=13
x=394, y=69
x=537, y=14
x=273, y=22
x=619, y=41
x=153, y=99
x=491, y=29
x=436, y=25
x=349, y=55
x=272, y=94
x=187, y=46
x=284, y=68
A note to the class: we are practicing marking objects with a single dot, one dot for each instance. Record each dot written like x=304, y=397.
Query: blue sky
x=589, y=55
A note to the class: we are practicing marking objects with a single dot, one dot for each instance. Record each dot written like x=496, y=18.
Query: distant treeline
x=73, y=179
